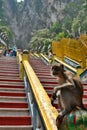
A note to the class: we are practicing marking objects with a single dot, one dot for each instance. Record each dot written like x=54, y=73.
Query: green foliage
x=2, y=15
x=79, y=24
x=74, y=17
x=1, y=10
x=67, y=23
x=56, y=27
x=42, y=33
x=59, y=36
x=84, y=25
x=6, y=29
x=85, y=6
x=1, y=3
x=3, y=27
x=73, y=23
x=40, y=41
x=7, y=32
x=70, y=11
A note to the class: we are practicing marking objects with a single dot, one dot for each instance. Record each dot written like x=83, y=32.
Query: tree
x=56, y=27
x=40, y=41
x=80, y=23
x=7, y=33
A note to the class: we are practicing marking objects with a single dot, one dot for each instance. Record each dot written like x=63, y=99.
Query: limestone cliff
x=31, y=15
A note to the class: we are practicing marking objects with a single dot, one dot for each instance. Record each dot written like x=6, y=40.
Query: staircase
x=43, y=72
x=14, y=110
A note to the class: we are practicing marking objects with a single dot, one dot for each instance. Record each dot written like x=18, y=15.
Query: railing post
x=24, y=57
x=17, y=56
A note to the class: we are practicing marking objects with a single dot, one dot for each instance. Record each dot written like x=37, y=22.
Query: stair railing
x=45, y=59
x=43, y=114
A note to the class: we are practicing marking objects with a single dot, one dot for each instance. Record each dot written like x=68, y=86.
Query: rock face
x=31, y=15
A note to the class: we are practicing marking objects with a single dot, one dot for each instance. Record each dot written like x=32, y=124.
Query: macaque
x=69, y=92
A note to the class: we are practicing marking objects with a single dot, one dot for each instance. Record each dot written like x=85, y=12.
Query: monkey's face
x=56, y=70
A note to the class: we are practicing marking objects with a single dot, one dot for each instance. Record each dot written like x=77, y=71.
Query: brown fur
x=69, y=91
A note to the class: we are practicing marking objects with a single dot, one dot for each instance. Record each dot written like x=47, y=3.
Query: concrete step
x=14, y=109
x=12, y=86
x=13, y=94
x=12, y=99
x=15, y=71
x=3, y=68
x=22, y=127
x=12, y=89
x=14, y=112
x=11, y=79
x=13, y=104
x=11, y=83
x=15, y=120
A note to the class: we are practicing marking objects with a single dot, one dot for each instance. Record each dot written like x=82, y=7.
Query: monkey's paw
x=59, y=120
x=53, y=98
x=52, y=101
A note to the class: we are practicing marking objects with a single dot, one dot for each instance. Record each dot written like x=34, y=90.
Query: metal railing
x=76, y=49
x=43, y=113
x=45, y=59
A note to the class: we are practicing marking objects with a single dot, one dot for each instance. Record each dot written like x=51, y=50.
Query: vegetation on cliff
x=29, y=20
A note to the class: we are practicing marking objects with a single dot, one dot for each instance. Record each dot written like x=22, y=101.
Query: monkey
x=69, y=92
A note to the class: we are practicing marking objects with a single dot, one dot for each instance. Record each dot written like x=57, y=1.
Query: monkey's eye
x=54, y=67
x=55, y=73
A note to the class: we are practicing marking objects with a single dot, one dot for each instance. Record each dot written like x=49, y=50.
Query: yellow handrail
x=47, y=111
x=76, y=49
x=41, y=55
x=20, y=58
x=66, y=65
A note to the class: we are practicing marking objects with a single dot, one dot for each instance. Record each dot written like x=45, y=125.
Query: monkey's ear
x=54, y=67
x=62, y=67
